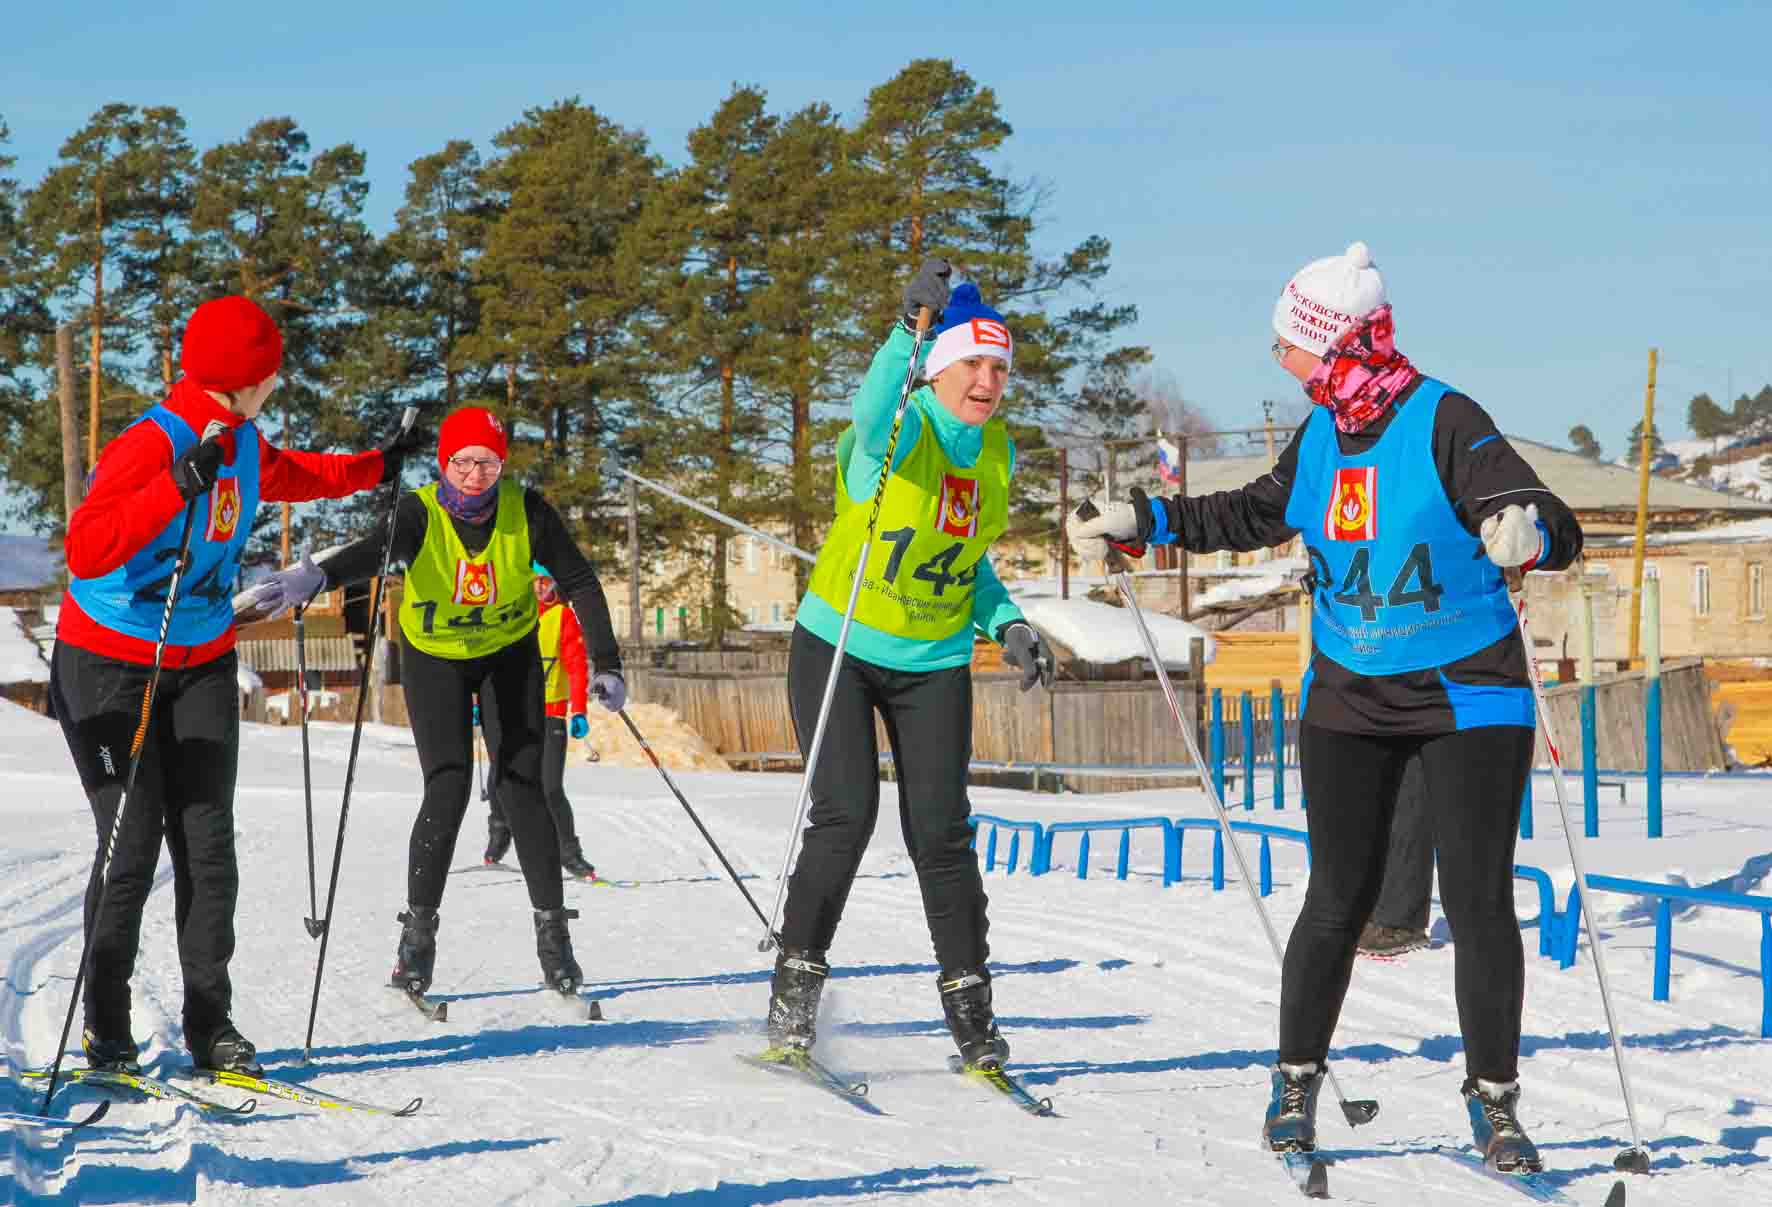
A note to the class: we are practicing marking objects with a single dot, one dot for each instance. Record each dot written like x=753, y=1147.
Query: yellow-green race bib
x=461, y=606
x=936, y=522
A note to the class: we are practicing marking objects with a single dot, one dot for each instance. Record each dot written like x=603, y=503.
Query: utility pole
x=1064, y=514
x=1636, y=570
x=1267, y=427
x=73, y=477
x=636, y=628
x=1181, y=550
x=285, y=543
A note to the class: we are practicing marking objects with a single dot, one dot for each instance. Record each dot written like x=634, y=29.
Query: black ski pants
x=553, y=788
x=928, y=720
x=184, y=794
x=440, y=705
x=1473, y=780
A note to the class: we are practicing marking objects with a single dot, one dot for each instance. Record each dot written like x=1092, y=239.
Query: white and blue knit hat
x=968, y=328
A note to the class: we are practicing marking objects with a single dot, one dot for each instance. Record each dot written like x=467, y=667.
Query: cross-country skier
x=566, y=675
x=201, y=445
x=909, y=655
x=467, y=626
x=1411, y=504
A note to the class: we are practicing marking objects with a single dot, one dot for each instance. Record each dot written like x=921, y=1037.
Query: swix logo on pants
x=1353, y=506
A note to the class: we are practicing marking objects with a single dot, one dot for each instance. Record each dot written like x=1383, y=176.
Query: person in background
x=566, y=675
x=1399, y=917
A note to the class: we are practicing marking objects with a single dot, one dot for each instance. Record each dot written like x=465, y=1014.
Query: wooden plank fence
x=1690, y=740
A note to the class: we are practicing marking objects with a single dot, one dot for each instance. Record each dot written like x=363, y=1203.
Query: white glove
x=1511, y=536
x=1113, y=521
x=290, y=588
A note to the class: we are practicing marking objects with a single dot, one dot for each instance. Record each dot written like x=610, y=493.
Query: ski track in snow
x=1147, y=1014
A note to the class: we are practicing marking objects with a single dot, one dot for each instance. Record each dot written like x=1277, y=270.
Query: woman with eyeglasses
x=468, y=622
x=1411, y=505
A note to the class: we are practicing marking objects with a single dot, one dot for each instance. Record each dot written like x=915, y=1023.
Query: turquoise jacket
x=872, y=410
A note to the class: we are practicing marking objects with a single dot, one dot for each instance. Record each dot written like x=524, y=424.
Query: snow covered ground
x=1147, y=1014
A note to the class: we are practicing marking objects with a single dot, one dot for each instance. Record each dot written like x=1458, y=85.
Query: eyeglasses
x=1280, y=348
x=467, y=465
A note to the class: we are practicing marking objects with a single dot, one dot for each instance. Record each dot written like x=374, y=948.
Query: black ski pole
x=136, y=747
x=682, y=800
x=312, y=921
x=344, y=810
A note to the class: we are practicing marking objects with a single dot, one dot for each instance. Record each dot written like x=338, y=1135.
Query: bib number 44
x=938, y=571
x=1413, y=583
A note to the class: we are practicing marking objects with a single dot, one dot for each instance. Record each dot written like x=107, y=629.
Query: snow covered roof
x=1104, y=634
x=1585, y=485
x=19, y=660
x=1740, y=532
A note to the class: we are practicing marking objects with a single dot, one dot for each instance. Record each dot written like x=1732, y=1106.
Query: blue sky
x=1548, y=193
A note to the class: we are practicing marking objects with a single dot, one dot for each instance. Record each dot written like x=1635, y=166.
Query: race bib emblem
x=959, y=505
x=224, y=509
x=1353, y=506
x=476, y=586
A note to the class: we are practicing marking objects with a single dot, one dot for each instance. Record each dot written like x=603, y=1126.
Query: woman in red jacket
x=201, y=448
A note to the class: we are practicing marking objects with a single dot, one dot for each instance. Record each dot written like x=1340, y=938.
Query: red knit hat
x=230, y=344
x=468, y=426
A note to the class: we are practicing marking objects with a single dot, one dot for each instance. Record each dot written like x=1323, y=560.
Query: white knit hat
x=1326, y=297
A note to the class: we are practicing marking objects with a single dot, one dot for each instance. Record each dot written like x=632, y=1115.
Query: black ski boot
x=416, y=958
x=227, y=1050
x=1291, y=1124
x=116, y=1054
x=966, y=1001
x=793, y=998
x=498, y=839
x=1495, y=1127
x=553, y=947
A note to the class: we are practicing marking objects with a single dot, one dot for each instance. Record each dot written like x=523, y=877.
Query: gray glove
x=291, y=587
x=610, y=689
x=928, y=288
x=1023, y=646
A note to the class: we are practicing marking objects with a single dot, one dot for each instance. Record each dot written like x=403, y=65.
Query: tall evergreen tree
x=1633, y=453
x=1707, y=420
x=1581, y=438
x=24, y=329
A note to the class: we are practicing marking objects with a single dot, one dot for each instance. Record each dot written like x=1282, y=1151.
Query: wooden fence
x=1109, y=724
x=1690, y=740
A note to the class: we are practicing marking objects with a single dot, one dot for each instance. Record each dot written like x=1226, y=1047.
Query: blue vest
x=132, y=598
x=1400, y=585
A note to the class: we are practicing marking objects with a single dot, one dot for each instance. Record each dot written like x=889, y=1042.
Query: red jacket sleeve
x=287, y=476
x=132, y=498
x=572, y=653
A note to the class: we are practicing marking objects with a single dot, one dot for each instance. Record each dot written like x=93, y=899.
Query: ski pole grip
x=1115, y=560
x=408, y=417
x=923, y=320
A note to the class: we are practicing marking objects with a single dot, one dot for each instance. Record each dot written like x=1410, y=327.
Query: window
x=750, y=614
x=1756, y=590
x=732, y=551
x=1226, y=559
x=750, y=553
x=774, y=613
x=1701, y=590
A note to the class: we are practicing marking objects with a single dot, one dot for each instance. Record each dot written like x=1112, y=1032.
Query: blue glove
x=289, y=588
x=610, y=689
x=579, y=726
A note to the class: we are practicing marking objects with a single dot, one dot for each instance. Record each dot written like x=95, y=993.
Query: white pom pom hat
x=1326, y=297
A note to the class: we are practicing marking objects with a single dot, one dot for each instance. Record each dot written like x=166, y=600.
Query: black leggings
x=928, y=716
x=440, y=704
x=1473, y=782
x=184, y=793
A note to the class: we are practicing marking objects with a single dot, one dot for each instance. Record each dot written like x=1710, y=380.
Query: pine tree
x=25, y=326
x=561, y=293
x=1633, y=453
x=1581, y=437
x=1707, y=420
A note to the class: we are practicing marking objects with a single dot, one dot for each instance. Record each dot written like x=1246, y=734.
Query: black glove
x=928, y=288
x=1023, y=645
x=197, y=469
x=393, y=453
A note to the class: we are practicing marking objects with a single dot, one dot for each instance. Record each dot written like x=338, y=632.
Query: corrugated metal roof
x=1583, y=484
x=323, y=653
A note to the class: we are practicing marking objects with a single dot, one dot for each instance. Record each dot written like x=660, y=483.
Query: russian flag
x=1168, y=461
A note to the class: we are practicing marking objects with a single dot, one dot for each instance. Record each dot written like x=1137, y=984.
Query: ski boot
x=1291, y=1123
x=966, y=1003
x=416, y=957
x=229, y=1051
x=575, y=864
x=498, y=840
x=553, y=947
x=1495, y=1127
x=114, y=1055
x=793, y=1000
